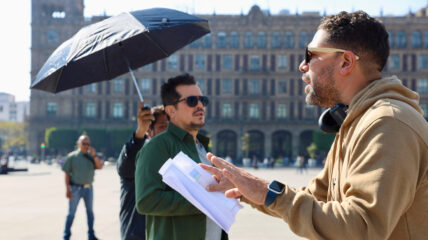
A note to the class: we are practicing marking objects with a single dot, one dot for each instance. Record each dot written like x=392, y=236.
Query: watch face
x=276, y=186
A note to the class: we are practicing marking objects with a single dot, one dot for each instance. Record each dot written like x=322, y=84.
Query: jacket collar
x=183, y=135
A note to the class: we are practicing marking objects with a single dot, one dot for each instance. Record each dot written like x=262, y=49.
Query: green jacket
x=169, y=216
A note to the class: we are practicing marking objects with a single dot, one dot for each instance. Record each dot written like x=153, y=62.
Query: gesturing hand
x=253, y=188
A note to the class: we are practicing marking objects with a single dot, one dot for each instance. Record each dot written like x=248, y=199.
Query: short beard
x=323, y=92
x=196, y=126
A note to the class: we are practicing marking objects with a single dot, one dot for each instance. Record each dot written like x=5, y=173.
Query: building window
x=425, y=109
x=254, y=110
x=200, y=61
x=282, y=61
x=422, y=86
x=90, y=110
x=423, y=61
x=145, y=85
x=227, y=61
x=173, y=61
x=401, y=39
x=201, y=84
x=391, y=39
x=254, y=86
x=289, y=40
x=227, y=110
x=281, y=111
x=226, y=86
x=52, y=36
x=221, y=40
x=51, y=108
x=394, y=62
x=261, y=40
x=282, y=86
x=207, y=41
x=254, y=62
x=416, y=39
x=234, y=40
x=117, y=110
x=426, y=39
x=195, y=44
x=276, y=40
x=248, y=40
x=303, y=39
x=90, y=88
x=118, y=85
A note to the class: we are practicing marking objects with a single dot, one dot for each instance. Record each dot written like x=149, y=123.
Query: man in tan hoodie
x=374, y=184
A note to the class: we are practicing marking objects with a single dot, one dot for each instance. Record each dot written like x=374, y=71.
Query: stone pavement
x=33, y=206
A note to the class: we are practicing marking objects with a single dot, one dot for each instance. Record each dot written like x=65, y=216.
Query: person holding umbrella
x=79, y=168
x=150, y=123
x=168, y=214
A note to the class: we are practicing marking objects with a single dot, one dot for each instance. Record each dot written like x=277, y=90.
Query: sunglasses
x=309, y=50
x=85, y=144
x=192, y=101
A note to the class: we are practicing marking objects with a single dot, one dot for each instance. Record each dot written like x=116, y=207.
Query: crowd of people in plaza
x=374, y=183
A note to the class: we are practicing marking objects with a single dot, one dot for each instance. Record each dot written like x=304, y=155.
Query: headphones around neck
x=332, y=118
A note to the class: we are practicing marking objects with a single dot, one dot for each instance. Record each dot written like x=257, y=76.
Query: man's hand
x=223, y=183
x=69, y=195
x=144, y=119
x=91, y=150
x=253, y=188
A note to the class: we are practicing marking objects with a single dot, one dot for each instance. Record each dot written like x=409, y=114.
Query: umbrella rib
x=156, y=44
x=58, y=78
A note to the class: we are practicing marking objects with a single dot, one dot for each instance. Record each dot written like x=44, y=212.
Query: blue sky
x=15, y=22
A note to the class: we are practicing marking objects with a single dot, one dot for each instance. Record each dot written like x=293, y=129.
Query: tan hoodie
x=374, y=184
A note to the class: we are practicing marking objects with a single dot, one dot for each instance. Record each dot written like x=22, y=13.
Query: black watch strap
x=275, y=189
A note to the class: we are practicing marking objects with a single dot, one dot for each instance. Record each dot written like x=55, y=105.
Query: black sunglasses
x=308, y=53
x=192, y=101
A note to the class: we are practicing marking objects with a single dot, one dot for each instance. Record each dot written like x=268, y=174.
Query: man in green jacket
x=169, y=216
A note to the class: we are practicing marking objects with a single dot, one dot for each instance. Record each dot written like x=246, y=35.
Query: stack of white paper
x=189, y=179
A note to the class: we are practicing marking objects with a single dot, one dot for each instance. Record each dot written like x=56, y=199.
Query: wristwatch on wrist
x=275, y=189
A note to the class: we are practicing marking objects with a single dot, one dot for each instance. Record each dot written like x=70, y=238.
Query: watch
x=275, y=189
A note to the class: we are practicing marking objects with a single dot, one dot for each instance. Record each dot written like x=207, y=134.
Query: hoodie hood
x=384, y=88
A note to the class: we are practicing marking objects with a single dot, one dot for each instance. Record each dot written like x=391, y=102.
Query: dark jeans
x=88, y=196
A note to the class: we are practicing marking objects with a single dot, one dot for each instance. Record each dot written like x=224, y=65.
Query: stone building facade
x=248, y=66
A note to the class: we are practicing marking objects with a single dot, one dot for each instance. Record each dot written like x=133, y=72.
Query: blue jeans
x=88, y=196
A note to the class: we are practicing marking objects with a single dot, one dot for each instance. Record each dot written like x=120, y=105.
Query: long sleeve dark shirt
x=132, y=224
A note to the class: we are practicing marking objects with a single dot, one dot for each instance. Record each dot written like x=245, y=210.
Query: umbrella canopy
x=109, y=48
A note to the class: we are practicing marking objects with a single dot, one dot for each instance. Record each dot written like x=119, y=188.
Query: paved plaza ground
x=33, y=206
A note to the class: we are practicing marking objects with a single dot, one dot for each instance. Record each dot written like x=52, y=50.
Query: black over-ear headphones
x=332, y=118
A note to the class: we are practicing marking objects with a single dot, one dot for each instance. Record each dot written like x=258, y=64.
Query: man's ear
x=170, y=110
x=349, y=61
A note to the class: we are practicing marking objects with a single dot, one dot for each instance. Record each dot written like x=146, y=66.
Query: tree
x=246, y=144
x=118, y=137
x=61, y=139
x=13, y=135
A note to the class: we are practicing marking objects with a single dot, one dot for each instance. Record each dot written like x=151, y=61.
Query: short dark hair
x=157, y=111
x=169, y=92
x=359, y=33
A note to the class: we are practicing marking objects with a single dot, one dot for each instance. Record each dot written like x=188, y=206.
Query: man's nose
x=303, y=67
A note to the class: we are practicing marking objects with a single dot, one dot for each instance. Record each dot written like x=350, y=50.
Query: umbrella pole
x=132, y=73
x=135, y=82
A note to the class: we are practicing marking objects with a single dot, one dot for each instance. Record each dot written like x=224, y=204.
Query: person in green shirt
x=169, y=216
x=79, y=168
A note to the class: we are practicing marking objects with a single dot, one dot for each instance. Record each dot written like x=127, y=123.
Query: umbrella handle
x=132, y=73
